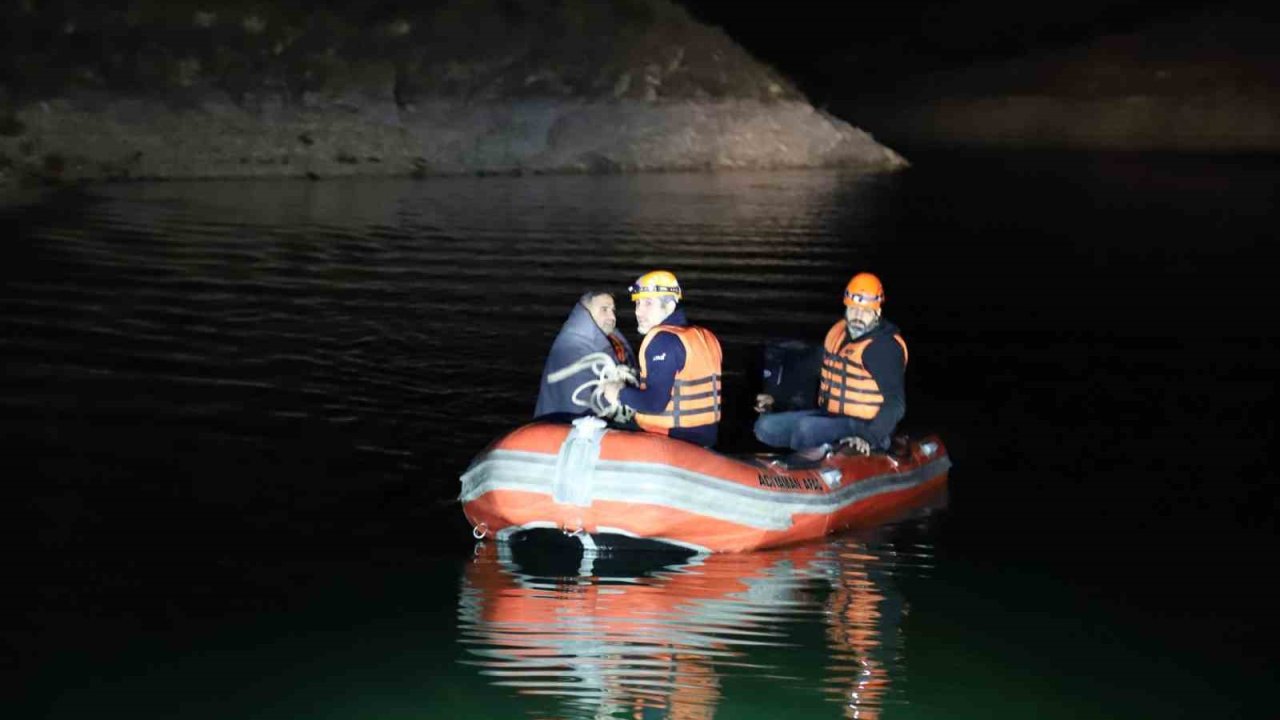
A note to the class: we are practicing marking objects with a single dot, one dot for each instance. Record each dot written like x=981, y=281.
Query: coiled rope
x=606, y=370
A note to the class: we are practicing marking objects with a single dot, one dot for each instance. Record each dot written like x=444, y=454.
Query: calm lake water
x=234, y=416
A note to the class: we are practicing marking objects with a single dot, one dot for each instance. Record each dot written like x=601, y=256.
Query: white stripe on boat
x=674, y=487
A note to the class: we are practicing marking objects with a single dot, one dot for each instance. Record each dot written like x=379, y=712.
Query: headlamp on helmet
x=659, y=283
x=864, y=290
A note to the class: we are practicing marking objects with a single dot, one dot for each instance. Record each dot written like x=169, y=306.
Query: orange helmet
x=658, y=283
x=864, y=290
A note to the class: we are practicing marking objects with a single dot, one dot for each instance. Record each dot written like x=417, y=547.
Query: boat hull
x=596, y=483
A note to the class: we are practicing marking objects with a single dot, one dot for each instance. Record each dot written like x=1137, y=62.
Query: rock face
x=150, y=89
x=143, y=139
x=1208, y=83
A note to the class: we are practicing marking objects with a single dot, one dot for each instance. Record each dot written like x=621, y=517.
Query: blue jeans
x=800, y=429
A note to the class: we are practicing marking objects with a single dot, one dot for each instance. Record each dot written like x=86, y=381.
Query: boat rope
x=606, y=370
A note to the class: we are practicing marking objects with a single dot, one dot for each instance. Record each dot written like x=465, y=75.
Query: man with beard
x=860, y=388
x=591, y=328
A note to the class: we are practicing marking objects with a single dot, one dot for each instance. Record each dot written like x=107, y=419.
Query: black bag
x=790, y=374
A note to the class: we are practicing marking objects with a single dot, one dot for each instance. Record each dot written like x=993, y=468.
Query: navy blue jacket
x=579, y=336
x=664, y=358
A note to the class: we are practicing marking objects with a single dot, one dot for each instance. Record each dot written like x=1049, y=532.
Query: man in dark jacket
x=860, y=389
x=590, y=328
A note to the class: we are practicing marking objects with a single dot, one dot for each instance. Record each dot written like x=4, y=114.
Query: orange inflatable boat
x=609, y=487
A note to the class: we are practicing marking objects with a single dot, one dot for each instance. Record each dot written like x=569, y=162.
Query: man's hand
x=611, y=389
x=857, y=444
x=764, y=403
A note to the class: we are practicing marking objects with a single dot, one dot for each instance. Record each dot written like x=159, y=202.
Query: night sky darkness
x=834, y=51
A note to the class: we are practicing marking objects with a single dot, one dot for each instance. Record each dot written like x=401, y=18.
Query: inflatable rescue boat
x=607, y=487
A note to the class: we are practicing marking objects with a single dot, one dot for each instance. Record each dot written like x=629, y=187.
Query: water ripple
x=607, y=638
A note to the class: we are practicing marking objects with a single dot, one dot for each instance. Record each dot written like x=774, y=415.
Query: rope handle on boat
x=480, y=531
x=606, y=370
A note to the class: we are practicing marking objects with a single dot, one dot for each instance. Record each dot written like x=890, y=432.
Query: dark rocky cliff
x=229, y=88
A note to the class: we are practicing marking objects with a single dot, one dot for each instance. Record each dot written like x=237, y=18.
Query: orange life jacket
x=845, y=387
x=695, y=395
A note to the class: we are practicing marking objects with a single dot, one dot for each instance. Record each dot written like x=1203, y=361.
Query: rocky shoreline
x=147, y=89
x=120, y=139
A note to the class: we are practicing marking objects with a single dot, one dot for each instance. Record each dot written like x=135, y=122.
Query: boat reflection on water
x=646, y=635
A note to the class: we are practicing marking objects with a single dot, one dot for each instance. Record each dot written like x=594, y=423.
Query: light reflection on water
x=332, y=345
x=368, y=298
x=216, y=369
x=640, y=636
x=233, y=365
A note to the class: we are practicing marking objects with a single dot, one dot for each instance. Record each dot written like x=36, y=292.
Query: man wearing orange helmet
x=860, y=388
x=679, y=392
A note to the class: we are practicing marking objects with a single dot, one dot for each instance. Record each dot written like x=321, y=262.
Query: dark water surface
x=234, y=415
